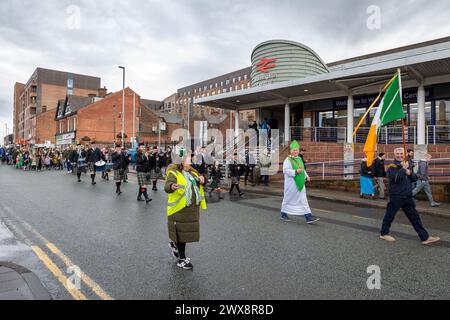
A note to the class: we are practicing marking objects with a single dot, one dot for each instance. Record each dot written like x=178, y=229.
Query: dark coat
x=379, y=170
x=75, y=156
x=365, y=170
x=119, y=161
x=93, y=155
x=142, y=163
x=400, y=184
x=183, y=226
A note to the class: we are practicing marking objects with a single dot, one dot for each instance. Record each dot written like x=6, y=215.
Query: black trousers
x=409, y=208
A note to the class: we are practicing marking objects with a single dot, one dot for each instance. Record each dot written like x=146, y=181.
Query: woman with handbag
x=143, y=173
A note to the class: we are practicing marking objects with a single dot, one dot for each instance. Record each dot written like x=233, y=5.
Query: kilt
x=119, y=175
x=156, y=174
x=142, y=178
x=91, y=167
x=79, y=169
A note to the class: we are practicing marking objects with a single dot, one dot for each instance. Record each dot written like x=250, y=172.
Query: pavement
x=119, y=246
x=16, y=281
x=276, y=188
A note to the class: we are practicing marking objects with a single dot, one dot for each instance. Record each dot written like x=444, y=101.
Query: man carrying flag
x=295, y=201
x=401, y=176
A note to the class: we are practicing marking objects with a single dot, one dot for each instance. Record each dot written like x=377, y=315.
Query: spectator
x=423, y=182
x=366, y=181
x=380, y=174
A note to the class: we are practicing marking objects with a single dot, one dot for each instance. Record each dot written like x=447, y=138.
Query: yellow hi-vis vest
x=176, y=200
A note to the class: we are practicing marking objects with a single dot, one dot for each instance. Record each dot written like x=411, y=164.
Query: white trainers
x=185, y=264
x=431, y=240
x=388, y=238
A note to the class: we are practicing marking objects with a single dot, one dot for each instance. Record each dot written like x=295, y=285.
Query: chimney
x=102, y=92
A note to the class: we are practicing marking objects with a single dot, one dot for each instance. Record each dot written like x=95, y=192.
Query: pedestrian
x=295, y=201
x=216, y=179
x=236, y=170
x=250, y=164
x=366, y=181
x=401, y=178
x=143, y=172
x=184, y=186
x=379, y=172
x=302, y=155
x=410, y=158
x=423, y=182
x=119, y=166
x=127, y=164
x=264, y=165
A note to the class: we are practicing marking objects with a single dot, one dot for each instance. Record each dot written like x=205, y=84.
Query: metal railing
x=438, y=134
x=325, y=134
x=389, y=135
x=348, y=170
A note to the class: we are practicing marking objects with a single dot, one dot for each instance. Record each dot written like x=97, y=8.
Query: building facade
x=41, y=94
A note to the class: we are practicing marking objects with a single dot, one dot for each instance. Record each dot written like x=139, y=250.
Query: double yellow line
x=59, y=275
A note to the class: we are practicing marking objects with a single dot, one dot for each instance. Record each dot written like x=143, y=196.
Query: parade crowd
x=190, y=175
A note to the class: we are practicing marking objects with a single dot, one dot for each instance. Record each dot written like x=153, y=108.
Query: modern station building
x=317, y=102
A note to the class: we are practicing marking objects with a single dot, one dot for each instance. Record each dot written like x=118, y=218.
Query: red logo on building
x=264, y=64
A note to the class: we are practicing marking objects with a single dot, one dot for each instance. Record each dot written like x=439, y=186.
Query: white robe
x=294, y=202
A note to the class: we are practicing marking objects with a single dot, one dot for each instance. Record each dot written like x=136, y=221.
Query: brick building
x=100, y=119
x=41, y=94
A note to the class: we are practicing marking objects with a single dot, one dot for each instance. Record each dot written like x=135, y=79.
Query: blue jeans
x=284, y=215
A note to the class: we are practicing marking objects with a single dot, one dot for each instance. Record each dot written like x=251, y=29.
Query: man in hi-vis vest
x=184, y=186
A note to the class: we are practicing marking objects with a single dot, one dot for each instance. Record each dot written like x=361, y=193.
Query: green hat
x=294, y=145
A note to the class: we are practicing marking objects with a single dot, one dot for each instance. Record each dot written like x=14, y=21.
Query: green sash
x=297, y=163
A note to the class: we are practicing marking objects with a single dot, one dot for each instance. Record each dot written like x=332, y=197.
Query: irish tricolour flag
x=389, y=110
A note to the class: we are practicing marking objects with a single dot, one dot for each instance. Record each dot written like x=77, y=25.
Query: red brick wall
x=97, y=120
x=45, y=127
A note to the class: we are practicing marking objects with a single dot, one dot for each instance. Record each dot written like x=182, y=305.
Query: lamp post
x=123, y=105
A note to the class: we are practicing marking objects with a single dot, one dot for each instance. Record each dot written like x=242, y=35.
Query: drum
x=109, y=167
x=100, y=166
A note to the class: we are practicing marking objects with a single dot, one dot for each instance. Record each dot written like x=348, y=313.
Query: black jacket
x=378, y=168
x=236, y=169
x=153, y=162
x=400, y=185
x=365, y=170
x=93, y=155
x=119, y=161
x=142, y=163
x=75, y=156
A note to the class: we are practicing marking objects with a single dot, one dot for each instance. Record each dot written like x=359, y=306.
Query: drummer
x=78, y=157
x=94, y=155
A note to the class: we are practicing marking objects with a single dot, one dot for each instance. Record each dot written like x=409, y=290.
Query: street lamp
x=123, y=105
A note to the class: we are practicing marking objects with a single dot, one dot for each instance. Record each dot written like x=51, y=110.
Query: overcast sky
x=166, y=44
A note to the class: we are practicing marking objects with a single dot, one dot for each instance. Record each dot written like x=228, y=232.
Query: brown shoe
x=387, y=238
x=431, y=240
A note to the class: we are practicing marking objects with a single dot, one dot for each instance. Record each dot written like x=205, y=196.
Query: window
x=205, y=88
x=217, y=85
x=224, y=90
x=234, y=80
x=221, y=83
x=68, y=125
x=242, y=86
x=227, y=82
x=210, y=86
x=245, y=77
x=240, y=78
x=195, y=90
x=74, y=124
x=44, y=108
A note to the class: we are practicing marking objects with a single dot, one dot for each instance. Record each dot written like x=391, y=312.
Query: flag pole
x=370, y=108
x=401, y=97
